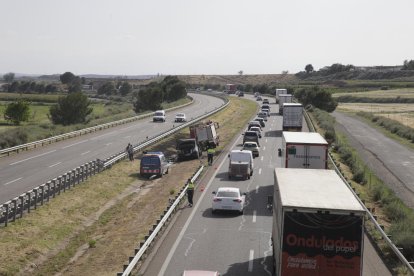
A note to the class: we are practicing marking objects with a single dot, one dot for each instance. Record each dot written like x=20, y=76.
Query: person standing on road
x=210, y=154
x=130, y=151
x=190, y=192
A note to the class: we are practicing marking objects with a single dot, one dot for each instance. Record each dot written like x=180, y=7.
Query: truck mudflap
x=321, y=244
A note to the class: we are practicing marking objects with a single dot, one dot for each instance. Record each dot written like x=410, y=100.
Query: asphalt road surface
x=22, y=172
x=390, y=161
x=229, y=243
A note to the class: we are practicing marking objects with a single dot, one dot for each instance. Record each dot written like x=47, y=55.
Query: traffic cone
x=202, y=188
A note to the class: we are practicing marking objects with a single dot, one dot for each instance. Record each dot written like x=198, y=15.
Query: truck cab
x=187, y=149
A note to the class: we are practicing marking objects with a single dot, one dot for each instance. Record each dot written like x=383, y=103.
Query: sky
x=187, y=37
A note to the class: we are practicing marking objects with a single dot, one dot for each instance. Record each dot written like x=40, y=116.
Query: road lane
x=37, y=166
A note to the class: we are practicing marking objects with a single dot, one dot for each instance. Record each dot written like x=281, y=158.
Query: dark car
x=261, y=121
x=153, y=163
x=251, y=136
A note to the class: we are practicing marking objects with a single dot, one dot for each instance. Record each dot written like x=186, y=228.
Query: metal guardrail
x=82, y=132
x=378, y=227
x=14, y=208
x=153, y=233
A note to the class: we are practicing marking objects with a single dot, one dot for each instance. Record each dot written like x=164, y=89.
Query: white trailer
x=292, y=116
x=280, y=91
x=306, y=150
x=318, y=225
x=284, y=98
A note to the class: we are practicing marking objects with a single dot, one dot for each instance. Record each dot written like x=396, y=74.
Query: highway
x=230, y=243
x=22, y=172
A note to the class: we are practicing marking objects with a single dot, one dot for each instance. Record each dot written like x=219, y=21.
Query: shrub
x=13, y=138
x=358, y=176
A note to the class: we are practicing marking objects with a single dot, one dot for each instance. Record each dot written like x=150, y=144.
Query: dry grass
x=392, y=93
x=94, y=228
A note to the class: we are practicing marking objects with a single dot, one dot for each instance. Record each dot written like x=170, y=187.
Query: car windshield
x=180, y=115
x=159, y=114
x=227, y=194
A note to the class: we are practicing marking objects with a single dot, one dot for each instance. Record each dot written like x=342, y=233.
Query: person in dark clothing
x=130, y=151
x=190, y=192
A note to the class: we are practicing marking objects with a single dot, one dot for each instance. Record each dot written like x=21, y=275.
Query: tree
x=71, y=109
x=240, y=72
x=408, y=65
x=9, y=77
x=17, y=112
x=148, y=99
x=309, y=68
x=75, y=85
x=125, y=88
x=107, y=88
x=317, y=97
x=67, y=77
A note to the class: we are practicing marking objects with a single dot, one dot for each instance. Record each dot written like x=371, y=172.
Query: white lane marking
x=127, y=136
x=260, y=171
x=270, y=128
x=10, y=182
x=94, y=138
x=266, y=140
x=51, y=166
x=267, y=253
x=264, y=147
x=261, y=158
x=254, y=216
x=251, y=256
x=257, y=189
x=75, y=144
x=86, y=152
x=108, y=144
x=187, y=223
x=31, y=157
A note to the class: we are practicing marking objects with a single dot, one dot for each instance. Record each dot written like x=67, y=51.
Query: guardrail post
x=35, y=198
x=82, y=170
x=77, y=172
x=48, y=190
x=42, y=191
x=6, y=218
x=14, y=201
x=29, y=200
x=55, y=184
x=21, y=197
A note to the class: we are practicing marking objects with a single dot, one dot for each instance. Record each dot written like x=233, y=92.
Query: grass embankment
x=94, y=228
x=391, y=212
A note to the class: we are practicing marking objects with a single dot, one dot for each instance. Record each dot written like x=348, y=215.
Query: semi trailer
x=292, y=116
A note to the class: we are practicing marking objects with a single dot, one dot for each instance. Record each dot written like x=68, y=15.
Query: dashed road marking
x=251, y=256
x=260, y=171
x=257, y=189
x=51, y=166
x=254, y=216
x=10, y=182
x=86, y=152
x=75, y=144
x=31, y=157
x=261, y=158
x=264, y=147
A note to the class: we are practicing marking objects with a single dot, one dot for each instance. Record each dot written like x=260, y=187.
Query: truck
x=318, y=224
x=284, y=98
x=305, y=150
x=278, y=92
x=240, y=164
x=187, y=149
x=205, y=134
x=231, y=88
x=292, y=116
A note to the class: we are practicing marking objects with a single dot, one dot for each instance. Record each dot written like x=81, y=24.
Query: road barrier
x=371, y=217
x=81, y=132
x=161, y=223
x=15, y=208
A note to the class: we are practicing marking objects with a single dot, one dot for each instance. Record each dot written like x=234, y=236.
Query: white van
x=159, y=115
x=240, y=164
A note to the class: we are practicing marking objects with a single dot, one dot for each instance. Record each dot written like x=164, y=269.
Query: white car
x=267, y=111
x=159, y=115
x=263, y=114
x=180, y=117
x=228, y=198
x=255, y=128
x=253, y=147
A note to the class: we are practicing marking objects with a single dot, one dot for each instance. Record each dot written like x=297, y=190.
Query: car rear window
x=159, y=114
x=249, y=145
x=250, y=134
x=150, y=160
x=227, y=194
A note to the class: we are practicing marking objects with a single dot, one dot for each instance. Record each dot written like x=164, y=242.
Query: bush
x=395, y=210
x=13, y=138
x=359, y=176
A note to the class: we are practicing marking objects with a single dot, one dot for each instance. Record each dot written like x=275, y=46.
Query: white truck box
x=280, y=91
x=318, y=225
x=292, y=116
x=284, y=98
x=306, y=150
